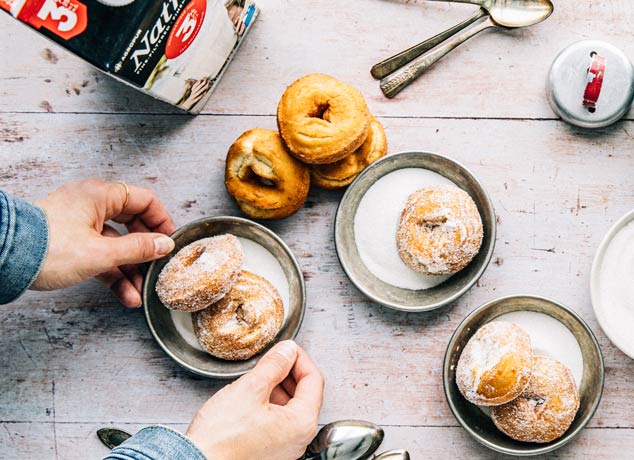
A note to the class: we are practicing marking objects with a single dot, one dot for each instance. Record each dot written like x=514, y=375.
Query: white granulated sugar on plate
x=256, y=259
x=549, y=337
x=376, y=223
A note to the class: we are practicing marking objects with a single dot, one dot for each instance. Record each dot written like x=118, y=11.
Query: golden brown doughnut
x=200, y=273
x=545, y=409
x=440, y=231
x=322, y=119
x=342, y=173
x=495, y=365
x=264, y=179
x=243, y=322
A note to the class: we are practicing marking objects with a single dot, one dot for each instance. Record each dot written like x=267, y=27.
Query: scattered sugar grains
x=376, y=224
x=256, y=259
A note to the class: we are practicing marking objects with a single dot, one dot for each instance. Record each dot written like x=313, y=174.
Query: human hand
x=271, y=413
x=198, y=91
x=83, y=246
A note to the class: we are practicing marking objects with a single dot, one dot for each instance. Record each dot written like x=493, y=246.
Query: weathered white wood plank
x=556, y=191
x=77, y=441
x=497, y=74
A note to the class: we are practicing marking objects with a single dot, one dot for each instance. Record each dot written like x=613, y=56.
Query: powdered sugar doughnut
x=200, y=274
x=546, y=407
x=440, y=231
x=495, y=365
x=243, y=322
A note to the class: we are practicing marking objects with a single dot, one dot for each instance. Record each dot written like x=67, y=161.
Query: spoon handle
x=389, y=65
x=396, y=82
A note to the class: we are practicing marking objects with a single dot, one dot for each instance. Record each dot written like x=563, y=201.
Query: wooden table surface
x=74, y=360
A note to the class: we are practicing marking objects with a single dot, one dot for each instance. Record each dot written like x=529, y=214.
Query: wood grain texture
x=74, y=360
x=497, y=74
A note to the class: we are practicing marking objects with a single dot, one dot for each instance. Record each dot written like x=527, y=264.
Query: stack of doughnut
x=531, y=398
x=235, y=313
x=326, y=136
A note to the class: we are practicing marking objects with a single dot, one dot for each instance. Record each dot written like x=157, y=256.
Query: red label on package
x=64, y=18
x=185, y=28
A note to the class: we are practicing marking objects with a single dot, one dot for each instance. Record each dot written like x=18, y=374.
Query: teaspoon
x=501, y=13
x=345, y=440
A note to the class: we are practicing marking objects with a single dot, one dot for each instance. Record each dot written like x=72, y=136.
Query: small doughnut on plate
x=322, y=119
x=244, y=321
x=591, y=374
x=440, y=230
x=496, y=364
x=200, y=274
x=545, y=409
x=340, y=174
x=161, y=321
x=266, y=181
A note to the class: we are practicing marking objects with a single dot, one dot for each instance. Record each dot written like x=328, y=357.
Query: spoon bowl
x=398, y=454
x=345, y=440
x=519, y=13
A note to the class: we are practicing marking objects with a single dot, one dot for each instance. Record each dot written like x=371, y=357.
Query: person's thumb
x=135, y=248
x=273, y=367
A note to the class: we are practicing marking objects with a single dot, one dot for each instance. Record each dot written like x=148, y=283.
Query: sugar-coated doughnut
x=495, y=365
x=322, y=119
x=545, y=409
x=440, y=231
x=243, y=322
x=200, y=274
x=342, y=173
x=265, y=180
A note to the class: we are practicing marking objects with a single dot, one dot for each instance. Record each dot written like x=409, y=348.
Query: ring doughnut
x=322, y=119
x=495, y=365
x=264, y=179
x=243, y=322
x=545, y=409
x=440, y=231
x=200, y=274
x=342, y=173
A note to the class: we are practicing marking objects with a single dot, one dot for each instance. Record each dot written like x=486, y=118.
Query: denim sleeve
x=23, y=245
x=156, y=443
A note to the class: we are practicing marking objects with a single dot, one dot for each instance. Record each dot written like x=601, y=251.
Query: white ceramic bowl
x=606, y=317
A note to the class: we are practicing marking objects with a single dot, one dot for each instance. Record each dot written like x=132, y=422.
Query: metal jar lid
x=571, y=77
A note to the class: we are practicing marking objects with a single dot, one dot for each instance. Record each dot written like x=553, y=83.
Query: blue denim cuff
x=156, y=443
x=23, y=245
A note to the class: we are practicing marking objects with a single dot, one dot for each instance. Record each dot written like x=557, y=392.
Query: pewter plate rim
x=344, y=222
x=527, y=449
x=298, y=278
x=600, y=311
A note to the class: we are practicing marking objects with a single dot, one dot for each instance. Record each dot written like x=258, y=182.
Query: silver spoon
x=398, y=454
x=343, y=440
x=502, y=13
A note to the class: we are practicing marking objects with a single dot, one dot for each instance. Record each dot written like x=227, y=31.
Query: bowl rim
x=239, y=220
x=488, y=203
x=539, y=449
x=599, y=310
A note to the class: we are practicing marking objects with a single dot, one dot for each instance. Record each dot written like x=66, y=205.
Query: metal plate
x=476, y=422
x=396, y=297
x=160, y=321
x=607, y=320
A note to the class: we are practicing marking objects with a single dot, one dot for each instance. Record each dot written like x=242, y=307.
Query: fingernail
x=288, y=349
x=163, y=245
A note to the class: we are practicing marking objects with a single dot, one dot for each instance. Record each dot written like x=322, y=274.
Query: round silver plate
x=160, y=321
x=396, y=297
x=479, y=425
